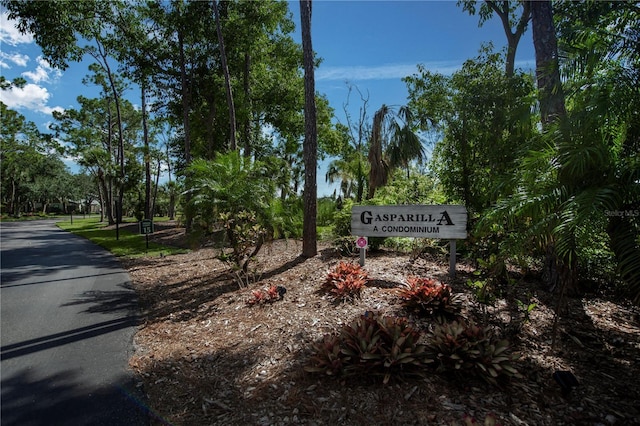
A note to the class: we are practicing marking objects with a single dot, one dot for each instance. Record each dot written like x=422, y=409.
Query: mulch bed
x=203, y=356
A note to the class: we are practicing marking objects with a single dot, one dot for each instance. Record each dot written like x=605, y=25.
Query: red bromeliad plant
x=262, y=297
x=371, y=345
x=345, y=281
x=428, y=296
x=463, y=349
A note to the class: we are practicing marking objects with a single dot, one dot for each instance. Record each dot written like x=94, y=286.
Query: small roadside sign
x=146, y=226
x=362, y=242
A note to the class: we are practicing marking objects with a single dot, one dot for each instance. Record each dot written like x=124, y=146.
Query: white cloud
x=31, y=97
x=394, y=71
x=381, y=72
x=9, y=34
x=16, y=58
x=42, y=72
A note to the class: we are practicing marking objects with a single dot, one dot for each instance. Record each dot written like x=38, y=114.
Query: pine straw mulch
x=204, y=357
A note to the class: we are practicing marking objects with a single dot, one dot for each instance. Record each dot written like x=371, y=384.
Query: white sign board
x=420, y=221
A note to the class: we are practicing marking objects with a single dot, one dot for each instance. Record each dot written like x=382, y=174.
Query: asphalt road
x=68, y=318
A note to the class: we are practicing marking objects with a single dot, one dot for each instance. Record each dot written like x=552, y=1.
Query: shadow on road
x=59, y=339
x=107, y=302
x=62, y=401
x=11, y=277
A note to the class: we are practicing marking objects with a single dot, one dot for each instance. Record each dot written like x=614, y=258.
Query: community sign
x=420, y=221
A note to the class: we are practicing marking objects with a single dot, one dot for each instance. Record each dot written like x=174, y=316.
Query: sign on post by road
x=362, y=243
x=146, y=228
x=448, y=222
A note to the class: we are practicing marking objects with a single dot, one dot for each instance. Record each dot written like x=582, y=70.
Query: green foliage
x=484, y=121
x=326, y=211
x=371, y=345
x=31, y=170
x=394, y=143
x=345, y=282
x=465, y=349
x=245, y=236
x=342, y=220
x=576, y=186
x=344, y=241
x=526, y=308
x=233, y=193
x=230, y=184
x=482, y=290
x=429, y=297
x=285, y=217
x=410, y=187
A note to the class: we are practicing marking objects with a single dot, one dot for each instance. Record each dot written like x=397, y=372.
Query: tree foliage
x=485, y=123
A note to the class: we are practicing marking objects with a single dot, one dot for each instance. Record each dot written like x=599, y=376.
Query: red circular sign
x=361, y=242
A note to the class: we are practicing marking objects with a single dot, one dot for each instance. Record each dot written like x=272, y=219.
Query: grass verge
x=128, y=245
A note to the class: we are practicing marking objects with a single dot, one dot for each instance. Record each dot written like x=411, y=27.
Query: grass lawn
x=128, y=245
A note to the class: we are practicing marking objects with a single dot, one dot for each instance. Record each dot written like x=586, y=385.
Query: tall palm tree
x=345, y=171
x=393, y=144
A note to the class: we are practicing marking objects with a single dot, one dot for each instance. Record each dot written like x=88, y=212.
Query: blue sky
x=370, y=44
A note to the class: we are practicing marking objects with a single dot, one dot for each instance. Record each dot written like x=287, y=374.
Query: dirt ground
x=204, y=357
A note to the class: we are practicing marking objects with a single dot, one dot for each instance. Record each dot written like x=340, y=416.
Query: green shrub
x=234, y=192
x=285, y=218
x=342, y=220
x=326, y=211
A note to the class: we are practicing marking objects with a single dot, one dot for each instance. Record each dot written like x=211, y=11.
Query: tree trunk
x=116, y=99
x=550, y=94
x=247, y=96
x=513, y=37
x=172, y=206
x=102, y=204
x=211, y=124
x=559, y=274
x=155, y=189
x=12, y=200
x=186, y=106
x=172, y=196
x=310, y=147
x=147, y=163
x=227, y=81
x=360, y=178
x=106, y=200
